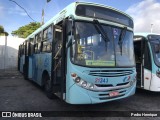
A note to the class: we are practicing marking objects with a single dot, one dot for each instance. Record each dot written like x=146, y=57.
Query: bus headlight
x=77, y=79
x=74, y=75
x=91, y=86
x=82, y=83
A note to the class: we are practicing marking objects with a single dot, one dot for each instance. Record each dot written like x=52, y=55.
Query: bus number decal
x=101, y=80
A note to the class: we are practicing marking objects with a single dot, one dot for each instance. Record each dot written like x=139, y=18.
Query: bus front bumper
x=79, y=95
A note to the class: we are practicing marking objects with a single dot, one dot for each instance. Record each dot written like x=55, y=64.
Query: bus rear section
x=147, y=54
x=21, y=57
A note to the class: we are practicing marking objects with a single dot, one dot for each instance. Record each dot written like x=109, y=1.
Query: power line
x=23, y=9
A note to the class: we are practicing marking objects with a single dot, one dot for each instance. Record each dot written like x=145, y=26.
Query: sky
x=143, y=12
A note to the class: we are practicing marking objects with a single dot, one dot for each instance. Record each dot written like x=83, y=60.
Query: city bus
x=21, y=57
x=83, y=55
x=147, y=55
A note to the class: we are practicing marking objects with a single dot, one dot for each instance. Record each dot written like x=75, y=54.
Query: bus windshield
x=155, y=43
x=90, y=49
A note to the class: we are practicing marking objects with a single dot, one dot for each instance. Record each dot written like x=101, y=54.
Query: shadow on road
x=147, y=92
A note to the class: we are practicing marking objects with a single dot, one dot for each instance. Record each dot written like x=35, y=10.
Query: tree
x=2, y=31
x=26, y=30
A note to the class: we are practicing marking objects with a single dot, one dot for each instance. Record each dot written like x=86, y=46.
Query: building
x=9, y=52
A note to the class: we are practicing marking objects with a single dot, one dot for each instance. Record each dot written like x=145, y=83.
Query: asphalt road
x=17, y=94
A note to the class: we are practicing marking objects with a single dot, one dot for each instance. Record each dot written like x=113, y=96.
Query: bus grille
x=110, y=85
x=110, y=73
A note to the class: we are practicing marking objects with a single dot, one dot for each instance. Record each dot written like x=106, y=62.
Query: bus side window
x=58, y=41
x=38, y=41
x=37, y=45
x=46, y=46
x=36, y=48
x=47, y=34
x=147, y=57
x=27, y=45
x=47, y=39
x=31, y=46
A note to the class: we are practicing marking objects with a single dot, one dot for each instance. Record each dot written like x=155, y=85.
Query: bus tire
x=47, y=87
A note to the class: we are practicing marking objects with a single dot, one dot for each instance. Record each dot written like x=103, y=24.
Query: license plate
x=114, y=93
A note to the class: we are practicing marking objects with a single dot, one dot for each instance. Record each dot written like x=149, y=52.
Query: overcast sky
x=144, y=12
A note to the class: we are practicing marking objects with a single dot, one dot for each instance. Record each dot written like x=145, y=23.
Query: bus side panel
x=147, y=79
x=34, y=68
x=155, y=81
x=40, y=64
x=44, y=64
x=39, y=68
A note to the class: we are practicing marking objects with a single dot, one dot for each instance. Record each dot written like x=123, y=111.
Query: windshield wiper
x=121, y=38
x=101, y=31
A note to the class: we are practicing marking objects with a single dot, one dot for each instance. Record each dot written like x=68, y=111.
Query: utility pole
x=42, y=16
x=151, y=28
x=43, y=13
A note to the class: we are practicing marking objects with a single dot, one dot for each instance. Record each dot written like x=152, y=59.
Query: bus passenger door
x=147, y=67
x=138, y=49
x=57, y=59
x=143, y=63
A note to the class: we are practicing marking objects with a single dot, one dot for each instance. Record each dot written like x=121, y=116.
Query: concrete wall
x=9, y=53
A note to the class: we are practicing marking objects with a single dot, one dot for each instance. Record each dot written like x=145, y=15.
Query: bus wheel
x=48, y=87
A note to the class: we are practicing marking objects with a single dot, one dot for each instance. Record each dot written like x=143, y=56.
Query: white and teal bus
x=147, y=54
x=84, y=55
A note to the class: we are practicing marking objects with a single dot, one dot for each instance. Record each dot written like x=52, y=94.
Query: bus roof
x=145, y=34
x=69, y=11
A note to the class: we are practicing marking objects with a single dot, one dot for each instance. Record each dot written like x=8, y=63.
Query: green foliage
x=2, y=31
x=26, y=30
